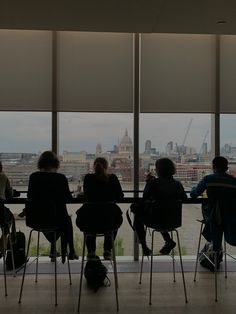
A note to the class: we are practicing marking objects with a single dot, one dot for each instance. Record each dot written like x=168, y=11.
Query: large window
x=85, y=136
x=184, y=138
x=23, y=135
x=181, y=83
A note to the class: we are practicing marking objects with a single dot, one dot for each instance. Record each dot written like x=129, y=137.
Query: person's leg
x=141, y=233
x=91, y=245
x=169, y=243
x=70, y=238
x=107, y=246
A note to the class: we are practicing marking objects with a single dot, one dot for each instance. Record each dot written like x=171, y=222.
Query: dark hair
x=0, y=166
x=220, y=163
x=100, y=165
x=48, y=160
x=165, y=168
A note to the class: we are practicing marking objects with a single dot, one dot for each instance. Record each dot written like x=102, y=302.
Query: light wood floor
x=168, y=297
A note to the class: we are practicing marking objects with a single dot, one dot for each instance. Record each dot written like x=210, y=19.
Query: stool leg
x=115, y=272
x=4, y=260
x=215, y=271
x=150, y=286
x=141, y=270
x=68, y=263
x=173, y=259
x=181, y=264
x=198, y=249
x=37, y=258
x=55, y=264
x=81, y=272
x=225, y=255
x=26, y=259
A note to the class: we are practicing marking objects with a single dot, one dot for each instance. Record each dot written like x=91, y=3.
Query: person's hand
x=149, y=177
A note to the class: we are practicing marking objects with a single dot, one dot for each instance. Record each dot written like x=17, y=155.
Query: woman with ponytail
x=100, y=212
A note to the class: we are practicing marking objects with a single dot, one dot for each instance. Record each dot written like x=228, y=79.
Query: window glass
x=85, y=136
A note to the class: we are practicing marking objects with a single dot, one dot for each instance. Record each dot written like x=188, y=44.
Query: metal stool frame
x=4, y=257
x=215, y=259
x=37, y=257
x=173, y=259
x=86, y=234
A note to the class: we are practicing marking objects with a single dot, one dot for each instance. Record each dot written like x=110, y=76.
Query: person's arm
x=86, y=187
x=199, y=189
x=182, y=193
x=147, y=192
x=30, y=190
x=66, y=189
x=118, y=190
x=8, y=190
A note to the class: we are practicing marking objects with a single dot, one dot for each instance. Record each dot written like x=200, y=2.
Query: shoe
x=146, y=250
x=168, y=247
x=107, y=255
x=73, y=256
x=22, y=214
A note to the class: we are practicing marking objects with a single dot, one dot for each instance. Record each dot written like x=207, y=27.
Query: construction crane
x=187, y=131
x=204, y=140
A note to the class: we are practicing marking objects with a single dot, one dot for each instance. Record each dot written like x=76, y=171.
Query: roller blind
x=177, y=73
x=95, y=72
x=25, y=76
x=228, y=74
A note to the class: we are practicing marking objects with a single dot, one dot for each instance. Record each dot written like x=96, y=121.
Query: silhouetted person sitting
x=101, y=191
x=219, y=214
x=6, y=217
x=161, y=188
x=47, y=187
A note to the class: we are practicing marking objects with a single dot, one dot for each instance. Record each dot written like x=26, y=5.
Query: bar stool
x=7, y=226
x=41, y=217
x=44, y=230
x=99, y=234
x=5, y=250
x=168, y=217
x=214, y=263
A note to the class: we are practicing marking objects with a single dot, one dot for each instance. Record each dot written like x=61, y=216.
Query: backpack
x=96, y=274
x=18, y=246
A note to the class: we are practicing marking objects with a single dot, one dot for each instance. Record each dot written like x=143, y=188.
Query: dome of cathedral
x=126, y=140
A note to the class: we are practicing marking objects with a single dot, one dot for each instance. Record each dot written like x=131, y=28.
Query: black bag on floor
x=18, y=251
x=96, y=274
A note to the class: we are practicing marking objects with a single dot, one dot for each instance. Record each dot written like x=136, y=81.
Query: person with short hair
x=160, y=188
x=220, y=187
x=47, y=185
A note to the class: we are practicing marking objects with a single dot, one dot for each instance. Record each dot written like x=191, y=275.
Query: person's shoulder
x=112, y=176
x=35, y=174
x=89, y=176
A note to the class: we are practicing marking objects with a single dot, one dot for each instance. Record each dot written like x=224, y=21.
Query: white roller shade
x=177, y=73
x=95, y=72
x=228, y=74
x=25, y=70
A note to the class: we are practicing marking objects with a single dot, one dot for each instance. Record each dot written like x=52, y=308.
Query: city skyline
x=31, y=132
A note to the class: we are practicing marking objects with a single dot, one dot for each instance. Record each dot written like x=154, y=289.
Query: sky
x=31, y=132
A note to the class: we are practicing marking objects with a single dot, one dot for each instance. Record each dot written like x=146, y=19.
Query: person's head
x=100, y=166
x=0, y=166
x=48, y=161
x=165, y=168
x=220, y=163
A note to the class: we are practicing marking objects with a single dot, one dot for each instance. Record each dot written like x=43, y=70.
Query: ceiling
x=152, y=16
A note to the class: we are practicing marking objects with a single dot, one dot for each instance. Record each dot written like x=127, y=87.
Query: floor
x=168, y=297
